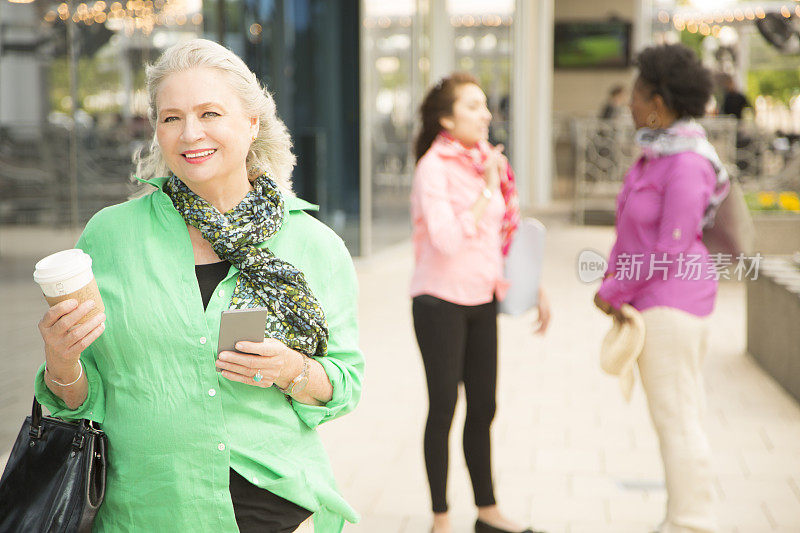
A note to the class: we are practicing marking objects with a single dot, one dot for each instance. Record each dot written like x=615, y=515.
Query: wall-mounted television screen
x=592, y=44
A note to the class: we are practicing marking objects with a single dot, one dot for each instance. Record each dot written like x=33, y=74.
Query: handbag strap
x=36, y=419
x=36, y=422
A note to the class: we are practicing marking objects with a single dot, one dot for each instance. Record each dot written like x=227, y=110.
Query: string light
x=708, y=23
x=132, y=16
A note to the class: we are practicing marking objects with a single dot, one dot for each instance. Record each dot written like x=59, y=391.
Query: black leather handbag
x=55, y=478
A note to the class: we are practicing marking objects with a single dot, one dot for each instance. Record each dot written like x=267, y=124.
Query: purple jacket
x=658, y=258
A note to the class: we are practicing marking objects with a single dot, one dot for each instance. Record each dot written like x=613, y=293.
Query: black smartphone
x=241, y=325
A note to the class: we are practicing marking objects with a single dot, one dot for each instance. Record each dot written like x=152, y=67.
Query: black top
x=609, y=111
x=209, y=276
x=734, y=103
x=256, y=509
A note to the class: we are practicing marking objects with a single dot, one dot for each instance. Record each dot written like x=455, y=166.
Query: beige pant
x=671, y=369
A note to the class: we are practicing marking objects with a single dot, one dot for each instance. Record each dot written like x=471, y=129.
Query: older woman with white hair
x=199, y=442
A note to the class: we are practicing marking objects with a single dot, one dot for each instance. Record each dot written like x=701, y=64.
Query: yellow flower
x=767, y=198
x=789, y=201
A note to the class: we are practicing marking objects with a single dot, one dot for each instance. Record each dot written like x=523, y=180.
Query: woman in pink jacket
x=465, y=210
x=660, y=266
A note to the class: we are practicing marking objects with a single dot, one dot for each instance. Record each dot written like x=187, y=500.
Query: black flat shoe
x=483, y=527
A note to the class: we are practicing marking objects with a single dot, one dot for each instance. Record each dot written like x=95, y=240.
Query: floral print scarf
x=295, y=315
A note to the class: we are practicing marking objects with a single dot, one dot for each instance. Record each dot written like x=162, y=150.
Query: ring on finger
x=258, y=377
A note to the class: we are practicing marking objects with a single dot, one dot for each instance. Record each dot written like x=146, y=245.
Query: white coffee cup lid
x=61, y=265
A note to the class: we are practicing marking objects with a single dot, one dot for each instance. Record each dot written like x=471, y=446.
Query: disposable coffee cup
x=68, y=275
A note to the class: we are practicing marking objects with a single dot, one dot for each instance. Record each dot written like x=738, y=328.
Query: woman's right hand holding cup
x=64, y=341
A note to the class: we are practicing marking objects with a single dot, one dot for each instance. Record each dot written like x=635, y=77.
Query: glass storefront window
x=483, y=47
x=393, y=89
x=340, y=71
x=73, y=103
x=305, y=51
x=398, y=37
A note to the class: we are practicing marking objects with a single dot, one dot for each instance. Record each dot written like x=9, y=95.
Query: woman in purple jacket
x=660, y=266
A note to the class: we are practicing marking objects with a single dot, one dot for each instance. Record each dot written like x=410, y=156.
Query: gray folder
x=523, y=268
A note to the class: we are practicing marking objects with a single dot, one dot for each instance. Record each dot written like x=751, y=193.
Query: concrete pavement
x=569, y=454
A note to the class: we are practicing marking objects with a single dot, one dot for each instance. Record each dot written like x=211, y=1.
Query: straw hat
x=622, y=346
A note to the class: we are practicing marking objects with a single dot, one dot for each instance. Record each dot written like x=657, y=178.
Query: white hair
x=270, y=152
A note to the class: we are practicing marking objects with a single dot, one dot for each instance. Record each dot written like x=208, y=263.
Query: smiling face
x=203, y=130
x=470, y=120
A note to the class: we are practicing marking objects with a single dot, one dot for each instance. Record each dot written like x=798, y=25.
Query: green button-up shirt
x=175, y=426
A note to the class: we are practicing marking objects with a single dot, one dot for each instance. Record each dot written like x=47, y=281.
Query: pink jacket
x=659, y=258
x=457, y=260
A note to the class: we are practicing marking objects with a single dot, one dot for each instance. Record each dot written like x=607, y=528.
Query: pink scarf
x=476, y=156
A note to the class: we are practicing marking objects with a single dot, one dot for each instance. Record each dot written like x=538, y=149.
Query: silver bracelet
x=302, y=377
x=66, y=384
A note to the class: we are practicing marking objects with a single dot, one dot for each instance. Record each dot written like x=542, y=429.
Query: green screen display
x=592, y=44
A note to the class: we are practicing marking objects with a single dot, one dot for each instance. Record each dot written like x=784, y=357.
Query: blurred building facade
x=408, y=45
x=60, y=163
x=347, y=75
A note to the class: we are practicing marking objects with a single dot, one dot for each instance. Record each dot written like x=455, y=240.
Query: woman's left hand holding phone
x=276, y=362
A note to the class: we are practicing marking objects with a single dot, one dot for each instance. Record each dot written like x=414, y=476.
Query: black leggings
x=458, y=343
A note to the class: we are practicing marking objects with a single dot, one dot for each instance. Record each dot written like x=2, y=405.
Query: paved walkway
x=570, y=455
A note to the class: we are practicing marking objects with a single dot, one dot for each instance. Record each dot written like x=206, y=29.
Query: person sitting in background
x=734, y=102
x=615, y=103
